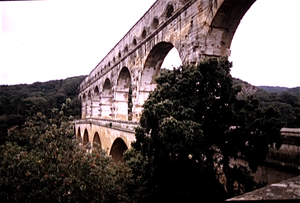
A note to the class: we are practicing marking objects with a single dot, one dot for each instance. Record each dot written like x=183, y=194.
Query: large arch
x=95, y=103
x=106, y=100
x=152, y=69
x=122, y=94
x=223, y=22
x=117, y=150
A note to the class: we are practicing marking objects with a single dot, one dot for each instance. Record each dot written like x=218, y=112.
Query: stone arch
x=155, y=23
x=223, y=24
x=144, y=33
x=106, y=100
x=85, y=137
x=117, y=149
x=97, y=139
x=122, y=94
x=96, y=91
x=134, y=41
x=151, y=70
x=153, y=64
x=95, y=101
x=78, y=136
x=169, y=10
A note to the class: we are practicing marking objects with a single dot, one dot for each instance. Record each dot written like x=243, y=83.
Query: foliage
x=286, y=102
x=19, y=102
x=191, y=127
x=49, y=166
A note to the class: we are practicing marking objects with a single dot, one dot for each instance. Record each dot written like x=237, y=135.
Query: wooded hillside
x=18, y=102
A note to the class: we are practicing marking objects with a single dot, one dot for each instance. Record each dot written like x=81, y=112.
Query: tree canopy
x=48, y=165
x=191, y=128
x=20, y=102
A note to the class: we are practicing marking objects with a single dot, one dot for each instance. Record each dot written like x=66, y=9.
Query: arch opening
x=78, y=136
x=106, y=99
x=155, y=23
x=169, y=10
x=162, y=55
x=85, y=137
x=96, y=90
x=97, y=139
x=123, y=99
x=224, y=23
x=154, y=62
x=117, y=150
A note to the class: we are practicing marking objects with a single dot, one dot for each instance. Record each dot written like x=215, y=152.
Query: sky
x=57, y=39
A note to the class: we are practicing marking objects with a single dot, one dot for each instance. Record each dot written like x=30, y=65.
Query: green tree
x=50, y=166
x=191, y=127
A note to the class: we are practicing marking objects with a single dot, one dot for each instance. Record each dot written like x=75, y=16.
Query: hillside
x=286, y=100
x=278, y=90
x=18, y=102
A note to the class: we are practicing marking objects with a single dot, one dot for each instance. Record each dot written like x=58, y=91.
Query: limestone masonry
x=113, y=93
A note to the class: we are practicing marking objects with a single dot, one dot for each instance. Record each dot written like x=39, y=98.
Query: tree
x=49, y=166
x=191, y=127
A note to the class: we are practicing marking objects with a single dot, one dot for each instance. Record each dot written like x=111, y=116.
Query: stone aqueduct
x=113, y=93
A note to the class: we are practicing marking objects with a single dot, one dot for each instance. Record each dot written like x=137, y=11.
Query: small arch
x=124, y=78
x=169, y=10
x=85, y=137
x=144, y=34
x=120, y=55
x=126, y=49
x=89, y=94
x=84, y=96
x=114, y=59
x=108, y=64
x=117, y=150
x=96, y=91
x=134, y=42
x=97, y=139
x=106, y=85
x=155, y=23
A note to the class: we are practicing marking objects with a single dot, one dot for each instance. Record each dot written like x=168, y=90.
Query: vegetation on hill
x=46, y=165
x=286, y=100
x=20, y=102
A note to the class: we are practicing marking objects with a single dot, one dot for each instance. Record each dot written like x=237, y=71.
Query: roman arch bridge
x=113, y=93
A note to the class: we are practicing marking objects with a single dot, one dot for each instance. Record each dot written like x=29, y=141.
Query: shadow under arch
x=78, y=136
x=117, y=150
x=85, y=137
x=123, y=99
x=97, y=140
x=152, y=69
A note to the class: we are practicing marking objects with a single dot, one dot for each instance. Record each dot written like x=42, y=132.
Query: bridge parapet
x=127, y=126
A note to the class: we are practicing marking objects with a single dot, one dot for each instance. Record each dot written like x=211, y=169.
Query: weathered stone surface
x=285, y=190
x=118, y=86
x=196, y=28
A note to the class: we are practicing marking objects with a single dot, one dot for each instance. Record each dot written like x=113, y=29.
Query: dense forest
x=20, y=102
x=286, y=100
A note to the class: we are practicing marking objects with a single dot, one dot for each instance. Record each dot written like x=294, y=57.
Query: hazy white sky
x=56, y=39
